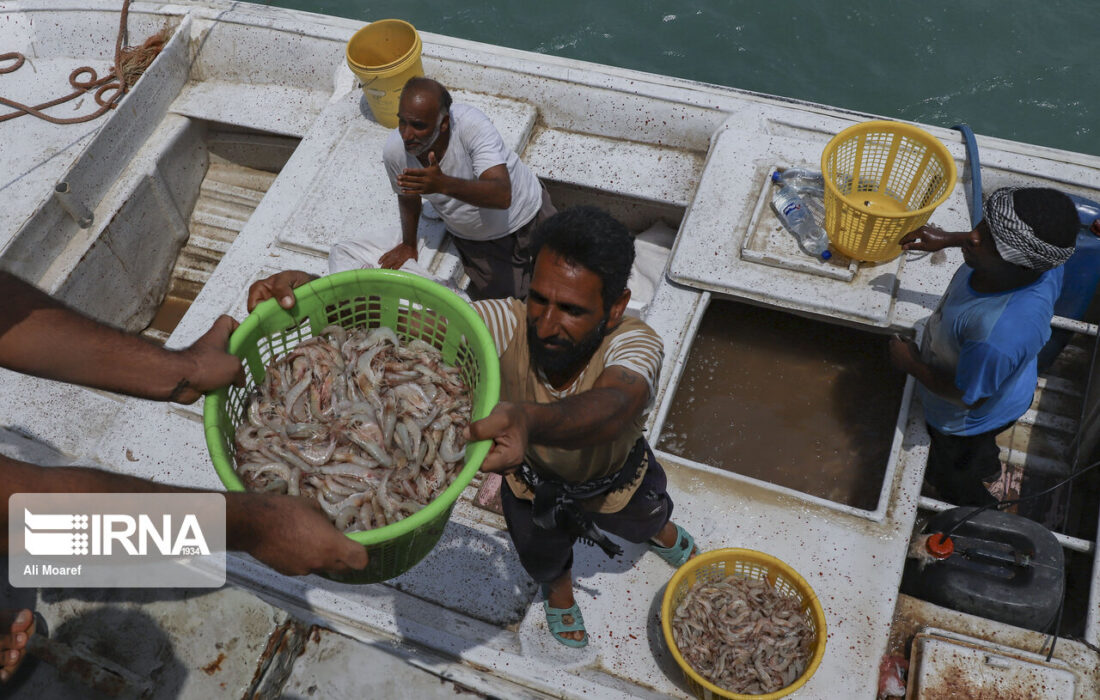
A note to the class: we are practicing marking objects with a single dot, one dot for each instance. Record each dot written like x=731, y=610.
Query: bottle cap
x=939, y=546
x=776, y=177
x=826, y=254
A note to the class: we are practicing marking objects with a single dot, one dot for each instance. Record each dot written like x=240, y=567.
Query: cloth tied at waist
x=556, y=503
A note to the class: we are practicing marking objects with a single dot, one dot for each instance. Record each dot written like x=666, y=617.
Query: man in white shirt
x=488, y=199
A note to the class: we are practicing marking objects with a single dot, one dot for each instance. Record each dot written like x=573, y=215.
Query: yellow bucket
x=384, y=55
x=748, y=563
x=882, y=180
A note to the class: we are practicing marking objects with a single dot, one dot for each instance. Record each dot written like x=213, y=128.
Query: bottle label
x=792, y=206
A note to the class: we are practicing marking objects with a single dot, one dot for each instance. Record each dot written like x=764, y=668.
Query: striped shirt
x=631, y=344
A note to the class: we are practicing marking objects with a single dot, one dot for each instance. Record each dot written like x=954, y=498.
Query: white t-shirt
x=475, y=147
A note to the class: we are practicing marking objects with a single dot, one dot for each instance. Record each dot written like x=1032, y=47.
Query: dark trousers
x=957, y=465
x=546, y=554
x=502, y=267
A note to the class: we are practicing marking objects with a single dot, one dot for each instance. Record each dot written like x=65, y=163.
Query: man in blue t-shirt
x=977, y=372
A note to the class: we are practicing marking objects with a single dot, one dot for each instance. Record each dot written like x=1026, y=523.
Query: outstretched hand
x=507, y=427
x=16, y=628
x=421, y=181
x=278, y=286
x=212, y=366
x=291, y=535
x=928, y=238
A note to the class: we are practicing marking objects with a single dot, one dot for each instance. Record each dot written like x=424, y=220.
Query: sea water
x=1019, y=70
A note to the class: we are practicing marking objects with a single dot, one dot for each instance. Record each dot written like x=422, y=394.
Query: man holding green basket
x=577, y=379
x=41, y=336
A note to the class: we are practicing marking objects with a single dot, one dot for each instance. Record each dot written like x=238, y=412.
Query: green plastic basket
x=415, y=308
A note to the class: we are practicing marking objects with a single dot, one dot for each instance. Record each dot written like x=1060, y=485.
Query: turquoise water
x=1014, y=69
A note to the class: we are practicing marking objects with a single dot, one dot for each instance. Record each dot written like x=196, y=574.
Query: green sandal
x=555, y=620
x=679, y=552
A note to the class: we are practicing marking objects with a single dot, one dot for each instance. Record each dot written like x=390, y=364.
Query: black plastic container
x=1004, y=568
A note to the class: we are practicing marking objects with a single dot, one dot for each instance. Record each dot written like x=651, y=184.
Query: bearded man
x=577, y=380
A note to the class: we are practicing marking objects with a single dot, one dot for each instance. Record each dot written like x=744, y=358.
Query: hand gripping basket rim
x=308, y=295
x=775, y=566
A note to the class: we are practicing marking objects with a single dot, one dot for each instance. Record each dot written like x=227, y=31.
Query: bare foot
x=16, y=627
x=560, y=595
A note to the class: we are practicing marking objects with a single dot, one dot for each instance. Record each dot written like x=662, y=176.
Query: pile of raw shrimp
x=368, y=426
x=742, y=635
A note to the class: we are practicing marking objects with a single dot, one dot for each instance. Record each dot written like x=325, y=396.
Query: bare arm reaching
x=285, y=533
x=41, y=336
x=589, y=418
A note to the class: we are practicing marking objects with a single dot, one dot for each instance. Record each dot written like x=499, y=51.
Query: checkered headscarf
x=1016, y=241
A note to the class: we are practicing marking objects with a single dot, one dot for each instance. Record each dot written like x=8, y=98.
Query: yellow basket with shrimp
x=414, y=308
x=719, y=564
x=882, y=180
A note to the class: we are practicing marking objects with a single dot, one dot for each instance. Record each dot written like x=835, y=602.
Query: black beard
x=563, y=355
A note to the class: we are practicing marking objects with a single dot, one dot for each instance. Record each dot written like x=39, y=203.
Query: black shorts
x=958, y=464
x=501, y=268
x=546, y=554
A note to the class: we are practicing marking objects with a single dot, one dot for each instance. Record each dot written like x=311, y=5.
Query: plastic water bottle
x=802, y=181
x=798, y=219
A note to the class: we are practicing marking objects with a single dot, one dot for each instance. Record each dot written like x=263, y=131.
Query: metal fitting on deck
x=80, y=212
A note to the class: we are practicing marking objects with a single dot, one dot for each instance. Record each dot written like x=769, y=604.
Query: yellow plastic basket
x=882, y=180
x=717, y=565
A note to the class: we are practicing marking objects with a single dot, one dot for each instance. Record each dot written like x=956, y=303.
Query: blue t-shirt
x=989, y=342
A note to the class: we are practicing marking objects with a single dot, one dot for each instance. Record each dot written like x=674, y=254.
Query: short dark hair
x=419, y=82
x=1050, y=213
x=595, y=240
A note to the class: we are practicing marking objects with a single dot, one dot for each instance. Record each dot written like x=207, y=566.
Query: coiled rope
x=130, y=63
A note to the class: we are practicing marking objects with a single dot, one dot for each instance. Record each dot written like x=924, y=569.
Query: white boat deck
x=701, y=152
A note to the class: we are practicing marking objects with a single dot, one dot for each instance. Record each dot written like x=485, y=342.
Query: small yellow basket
x=882, y=180
x=717, y=565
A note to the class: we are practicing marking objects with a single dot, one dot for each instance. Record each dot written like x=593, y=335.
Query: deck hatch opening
x=799, y=403
x=242, y=166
